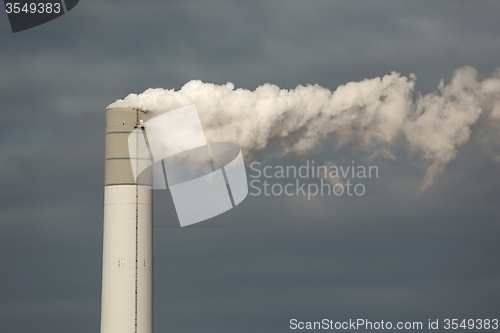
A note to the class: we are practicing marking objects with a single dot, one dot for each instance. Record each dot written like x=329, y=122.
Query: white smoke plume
x=373, y=114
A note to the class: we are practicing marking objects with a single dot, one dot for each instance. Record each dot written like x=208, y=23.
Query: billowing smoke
x=374, y=115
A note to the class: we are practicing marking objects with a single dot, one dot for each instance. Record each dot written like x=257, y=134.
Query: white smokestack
x=127, y=264
x=374, y=114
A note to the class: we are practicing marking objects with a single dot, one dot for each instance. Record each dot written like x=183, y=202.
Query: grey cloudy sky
x=393, y=254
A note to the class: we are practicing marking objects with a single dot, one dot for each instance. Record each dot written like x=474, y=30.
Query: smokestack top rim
x=128, y=108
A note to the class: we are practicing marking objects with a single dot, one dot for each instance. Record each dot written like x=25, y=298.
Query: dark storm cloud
x=393, y=254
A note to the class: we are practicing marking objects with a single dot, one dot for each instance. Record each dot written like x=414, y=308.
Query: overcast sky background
x=391, y=255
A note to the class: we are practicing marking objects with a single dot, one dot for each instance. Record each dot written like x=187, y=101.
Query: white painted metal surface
x=120, y=309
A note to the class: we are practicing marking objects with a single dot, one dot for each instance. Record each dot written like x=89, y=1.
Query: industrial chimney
x=127, y=264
